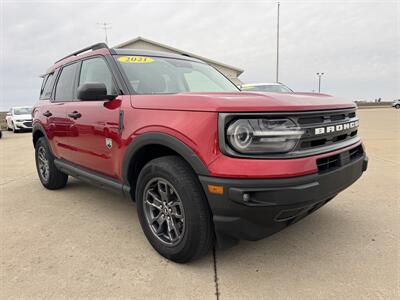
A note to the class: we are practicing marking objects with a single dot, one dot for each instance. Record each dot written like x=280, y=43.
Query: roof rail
x=93, y=47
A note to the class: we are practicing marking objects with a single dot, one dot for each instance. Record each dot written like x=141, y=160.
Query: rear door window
x=65, y=84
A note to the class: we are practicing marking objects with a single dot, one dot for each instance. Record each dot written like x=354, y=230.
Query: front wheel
x=397, y=106
x=14, y=129
x=173, y=210
x=49, y=175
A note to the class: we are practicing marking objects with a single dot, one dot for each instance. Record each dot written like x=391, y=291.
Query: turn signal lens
x=216, y=189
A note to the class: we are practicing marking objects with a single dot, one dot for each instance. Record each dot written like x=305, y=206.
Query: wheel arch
x=152, y=145
x=37, y=132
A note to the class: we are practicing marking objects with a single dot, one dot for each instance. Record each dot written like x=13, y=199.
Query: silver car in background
x=266, y=87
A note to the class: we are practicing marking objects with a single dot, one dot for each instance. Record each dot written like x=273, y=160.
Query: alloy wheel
x=43, y=163
x=164, y=211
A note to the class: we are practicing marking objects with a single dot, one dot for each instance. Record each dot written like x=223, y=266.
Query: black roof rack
x=93, y=47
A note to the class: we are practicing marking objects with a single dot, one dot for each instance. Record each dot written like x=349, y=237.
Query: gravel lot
x=85, y=242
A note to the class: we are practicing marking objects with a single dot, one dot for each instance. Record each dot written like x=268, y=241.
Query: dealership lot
x=85, y=242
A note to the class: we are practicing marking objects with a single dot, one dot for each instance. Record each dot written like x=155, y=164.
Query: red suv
x=205, y=162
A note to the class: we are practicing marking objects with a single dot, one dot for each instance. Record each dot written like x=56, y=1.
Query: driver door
x=93, y=136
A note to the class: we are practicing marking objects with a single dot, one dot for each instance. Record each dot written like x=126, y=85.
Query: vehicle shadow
x=312, y=234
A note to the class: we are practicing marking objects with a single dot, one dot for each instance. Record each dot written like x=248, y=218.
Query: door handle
x=47, y=114
x=74, y=115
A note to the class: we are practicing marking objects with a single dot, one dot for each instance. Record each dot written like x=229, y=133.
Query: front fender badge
x=109, y=143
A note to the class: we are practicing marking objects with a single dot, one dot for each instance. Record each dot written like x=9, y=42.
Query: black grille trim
x=330, y=163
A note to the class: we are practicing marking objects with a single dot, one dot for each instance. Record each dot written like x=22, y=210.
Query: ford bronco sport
x=205, y=162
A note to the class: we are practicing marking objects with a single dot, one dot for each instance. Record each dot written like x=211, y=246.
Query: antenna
x=105, y=26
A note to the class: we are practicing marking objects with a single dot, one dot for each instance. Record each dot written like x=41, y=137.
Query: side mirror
x=94, y=91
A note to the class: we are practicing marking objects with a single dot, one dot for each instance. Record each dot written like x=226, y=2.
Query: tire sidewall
x=42, y=143
x=150, y=172
x=13, y=128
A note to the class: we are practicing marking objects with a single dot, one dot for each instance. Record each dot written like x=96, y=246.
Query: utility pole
x=319, y=81
x=277, y=46
x=105, y=26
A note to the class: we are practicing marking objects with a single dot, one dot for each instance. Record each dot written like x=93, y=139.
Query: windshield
x=22, y=111
x=160, y=75
x=274, y=88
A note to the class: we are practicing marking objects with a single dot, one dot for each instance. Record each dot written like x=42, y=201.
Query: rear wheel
x=49, y=175
x=173, y=210
x=397, y=106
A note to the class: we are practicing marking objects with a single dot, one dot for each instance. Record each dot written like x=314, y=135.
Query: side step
x=92, y=177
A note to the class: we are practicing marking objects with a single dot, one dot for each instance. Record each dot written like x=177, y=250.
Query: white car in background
x=396, y=104
x=19, y=118
x=266, y=87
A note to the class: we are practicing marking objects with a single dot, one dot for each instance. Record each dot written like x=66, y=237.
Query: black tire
x=197, y=237
x=55, y=179
x=397, y=106
x=14, y=129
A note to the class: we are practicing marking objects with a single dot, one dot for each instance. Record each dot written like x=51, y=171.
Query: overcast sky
x=356, y=43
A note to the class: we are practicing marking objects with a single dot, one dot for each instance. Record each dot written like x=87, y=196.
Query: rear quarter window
x=47, y=87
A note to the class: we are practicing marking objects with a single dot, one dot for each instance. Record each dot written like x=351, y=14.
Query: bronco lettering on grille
x=336, y=128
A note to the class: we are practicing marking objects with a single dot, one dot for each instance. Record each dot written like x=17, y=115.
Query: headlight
x=260, y=136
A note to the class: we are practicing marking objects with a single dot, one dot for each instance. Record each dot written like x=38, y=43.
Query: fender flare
x=38, y=127
x=158, y=138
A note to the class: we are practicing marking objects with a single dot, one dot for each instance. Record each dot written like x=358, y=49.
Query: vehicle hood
x=22, y=117
x=240, y=102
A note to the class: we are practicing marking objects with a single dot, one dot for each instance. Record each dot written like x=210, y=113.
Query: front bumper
x=23, y=125
x=252, y=209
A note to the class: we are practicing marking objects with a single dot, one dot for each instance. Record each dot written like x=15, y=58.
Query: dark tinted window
x=64, y=88
x=96, y=70
x=47, y=87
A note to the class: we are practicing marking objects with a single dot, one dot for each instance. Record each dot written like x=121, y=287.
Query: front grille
x=332, y=162
x=328, y=121
x=28, y=123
